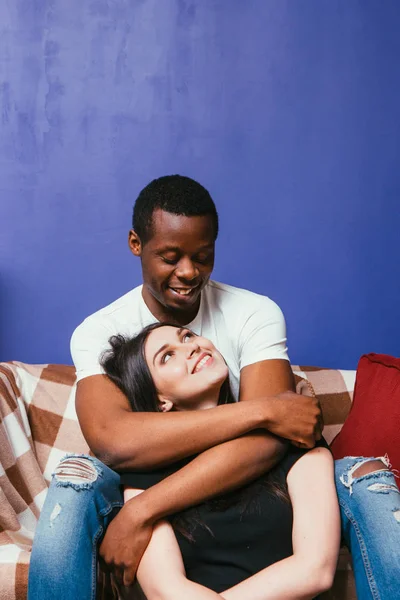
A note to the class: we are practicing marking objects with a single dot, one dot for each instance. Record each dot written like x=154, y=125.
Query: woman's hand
x=126, y=540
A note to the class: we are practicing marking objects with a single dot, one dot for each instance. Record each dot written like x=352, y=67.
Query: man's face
x=177, y=262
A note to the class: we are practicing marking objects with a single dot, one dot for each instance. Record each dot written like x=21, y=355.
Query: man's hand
x=296, y=418
x=125, y=542
x=288, y=415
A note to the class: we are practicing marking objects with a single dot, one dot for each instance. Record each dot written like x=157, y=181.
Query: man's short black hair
x=175, y=194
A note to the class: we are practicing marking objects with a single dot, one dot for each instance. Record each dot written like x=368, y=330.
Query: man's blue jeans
x=370, y=512
x=85, y=495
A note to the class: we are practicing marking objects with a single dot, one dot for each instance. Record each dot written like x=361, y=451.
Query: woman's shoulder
x=294, y=454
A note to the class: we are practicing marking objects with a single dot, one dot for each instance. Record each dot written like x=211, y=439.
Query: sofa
x=38, y=426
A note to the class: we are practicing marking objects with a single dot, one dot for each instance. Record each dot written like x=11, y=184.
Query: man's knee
x=375, y=471
x=78, y=471
x=83, y=472
x=370, y=466
x=96, y=484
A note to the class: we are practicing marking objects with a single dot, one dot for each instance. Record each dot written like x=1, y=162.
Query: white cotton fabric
x=245, y=327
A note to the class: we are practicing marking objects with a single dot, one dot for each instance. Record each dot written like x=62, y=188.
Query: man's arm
x=212, y=473
x=266, y=378
x=128, y=440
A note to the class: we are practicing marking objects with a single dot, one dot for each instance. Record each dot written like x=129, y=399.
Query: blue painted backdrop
x=287, y=110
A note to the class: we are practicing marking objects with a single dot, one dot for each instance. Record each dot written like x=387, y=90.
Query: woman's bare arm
x=161, y=573
x=316, y=537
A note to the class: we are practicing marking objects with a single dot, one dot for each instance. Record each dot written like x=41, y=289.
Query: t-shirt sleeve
x=263, y=335
x=293, y=454
x=145, y=479
x=88, y=343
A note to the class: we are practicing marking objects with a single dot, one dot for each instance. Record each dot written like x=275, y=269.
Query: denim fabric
x=370, y=511
x=80, y=504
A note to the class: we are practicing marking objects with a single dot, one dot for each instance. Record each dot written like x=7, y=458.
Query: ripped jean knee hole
x=77, y=471
x=352, y=474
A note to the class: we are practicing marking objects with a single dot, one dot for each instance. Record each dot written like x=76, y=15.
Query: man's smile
x=184, y=291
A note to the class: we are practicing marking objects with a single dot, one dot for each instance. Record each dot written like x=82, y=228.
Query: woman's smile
x=173, y=355
x=205, y=360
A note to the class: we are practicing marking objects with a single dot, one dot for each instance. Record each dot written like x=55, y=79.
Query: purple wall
x=287, y=110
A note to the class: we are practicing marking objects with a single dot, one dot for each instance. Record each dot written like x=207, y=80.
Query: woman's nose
x=192, y=348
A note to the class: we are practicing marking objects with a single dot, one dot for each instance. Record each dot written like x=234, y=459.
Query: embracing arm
x=217, y=470
x=124, y=439
x=129, y=440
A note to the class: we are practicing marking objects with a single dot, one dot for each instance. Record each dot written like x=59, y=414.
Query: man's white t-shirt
x=245, y=327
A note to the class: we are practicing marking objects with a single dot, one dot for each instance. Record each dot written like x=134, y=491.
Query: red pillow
x=373, y=425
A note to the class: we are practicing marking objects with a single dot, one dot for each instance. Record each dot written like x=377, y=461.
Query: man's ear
x=166, y=405
x=134, y=243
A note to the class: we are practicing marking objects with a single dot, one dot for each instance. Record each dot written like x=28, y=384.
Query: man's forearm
x=127, y=440
x=216, y=471
x=149, y=440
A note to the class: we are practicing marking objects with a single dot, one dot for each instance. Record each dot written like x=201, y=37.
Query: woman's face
x=187, y=369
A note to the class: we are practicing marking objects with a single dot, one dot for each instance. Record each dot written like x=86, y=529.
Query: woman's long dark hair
x=125, y=364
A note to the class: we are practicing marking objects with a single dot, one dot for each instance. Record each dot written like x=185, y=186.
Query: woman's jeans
x=85, y=495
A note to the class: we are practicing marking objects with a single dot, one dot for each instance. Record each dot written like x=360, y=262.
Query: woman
x=278, y=538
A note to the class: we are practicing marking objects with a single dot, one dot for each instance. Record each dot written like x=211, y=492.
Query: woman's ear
x=166, y=405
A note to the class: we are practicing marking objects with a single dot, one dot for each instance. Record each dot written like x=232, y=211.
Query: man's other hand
x=125, y=542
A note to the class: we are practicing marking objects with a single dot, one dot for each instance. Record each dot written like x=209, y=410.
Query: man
x=175, y=225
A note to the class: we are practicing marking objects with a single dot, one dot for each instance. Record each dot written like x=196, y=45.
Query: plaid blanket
x=334, y=389
x=38, y=426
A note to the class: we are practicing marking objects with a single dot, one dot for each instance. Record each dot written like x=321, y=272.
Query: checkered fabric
x=334, y=389
x=38, y=426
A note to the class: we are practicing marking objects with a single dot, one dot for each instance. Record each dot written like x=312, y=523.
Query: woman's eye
x=187, y=336
x=166, y=357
